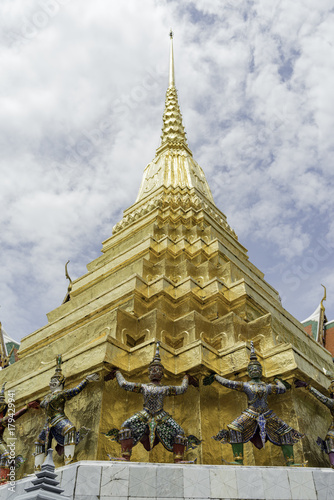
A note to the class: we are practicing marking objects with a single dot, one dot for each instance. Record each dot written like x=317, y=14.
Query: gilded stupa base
x=200, y=411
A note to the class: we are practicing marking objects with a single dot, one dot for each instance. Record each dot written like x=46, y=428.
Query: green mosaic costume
x=153, y=423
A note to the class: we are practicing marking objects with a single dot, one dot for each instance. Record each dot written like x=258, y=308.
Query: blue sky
x=82, y=93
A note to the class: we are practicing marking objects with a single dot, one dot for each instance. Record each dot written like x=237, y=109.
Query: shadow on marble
x=67, y=482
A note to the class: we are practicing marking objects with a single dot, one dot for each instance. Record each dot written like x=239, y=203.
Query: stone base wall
x=90, y=480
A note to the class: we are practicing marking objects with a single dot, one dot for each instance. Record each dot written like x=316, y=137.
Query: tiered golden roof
x=172, y=271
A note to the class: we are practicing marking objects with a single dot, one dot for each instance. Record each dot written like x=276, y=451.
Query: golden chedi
x=173, y=271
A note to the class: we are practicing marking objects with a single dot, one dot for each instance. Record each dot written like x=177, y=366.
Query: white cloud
x=81, y=101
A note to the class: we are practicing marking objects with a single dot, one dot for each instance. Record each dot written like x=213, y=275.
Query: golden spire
x=171, y=61
x=173, y=133
x=173, y=165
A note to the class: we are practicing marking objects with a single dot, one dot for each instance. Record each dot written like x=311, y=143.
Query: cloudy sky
x=82, y=92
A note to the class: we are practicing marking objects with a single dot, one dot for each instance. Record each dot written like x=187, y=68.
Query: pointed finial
x=253, y=357
x=156, y=358
x=48, y=463
x=173, y=133
x=69, y=288
x=171, y=61
x=58, y=373
x=252, y=353
x=322, y=320
x=66, y=272
x=322, y=300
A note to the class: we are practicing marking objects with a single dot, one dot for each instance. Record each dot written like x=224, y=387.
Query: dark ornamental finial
x=156, y=358
x=253, y=357
x=69, y=288
x=252, y=353
x=58, y=373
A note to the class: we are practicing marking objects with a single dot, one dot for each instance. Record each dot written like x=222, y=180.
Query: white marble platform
x=90, y=480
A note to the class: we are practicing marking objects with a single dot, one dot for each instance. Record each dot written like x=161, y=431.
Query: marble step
x=102, y=480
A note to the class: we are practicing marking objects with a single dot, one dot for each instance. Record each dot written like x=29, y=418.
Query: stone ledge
x=101, y=480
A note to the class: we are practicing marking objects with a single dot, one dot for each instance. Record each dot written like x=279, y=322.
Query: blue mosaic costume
x=57, y=425
x=328, y=444
x=257, y=423
x=153, y=423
